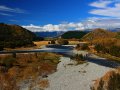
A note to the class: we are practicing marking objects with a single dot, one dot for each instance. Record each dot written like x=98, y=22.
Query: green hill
x=12, y=36
x=73, y=34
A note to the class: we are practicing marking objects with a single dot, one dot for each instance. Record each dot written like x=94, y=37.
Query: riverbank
x=109, y=57
x=64, y=75
x=70, y=76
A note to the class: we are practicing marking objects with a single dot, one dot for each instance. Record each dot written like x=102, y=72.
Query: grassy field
x=40, y=43
x=73, y=42
x=24, y=67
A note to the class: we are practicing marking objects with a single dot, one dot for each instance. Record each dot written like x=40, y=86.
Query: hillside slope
x=99, y=34
x=73, y=34
x=15, y=36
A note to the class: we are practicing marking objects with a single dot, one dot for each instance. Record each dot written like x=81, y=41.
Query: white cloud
x=103, y=8
x=100, y=4
x=51, y=27
x=9, y=9
x=5, y=14
x=90, y=23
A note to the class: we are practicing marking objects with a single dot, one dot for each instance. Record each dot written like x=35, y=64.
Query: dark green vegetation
x=62, y=42
x=12, y=36
x=25, y=67
x=73, y=35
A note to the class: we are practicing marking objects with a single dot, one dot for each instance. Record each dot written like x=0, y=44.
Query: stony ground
x=75, y=77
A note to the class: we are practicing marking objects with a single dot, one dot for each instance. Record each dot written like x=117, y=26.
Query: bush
x=79, y=57
x=63, y=42
x=52, y=42
x=8, y=61
x=115, y=51
x=98, y=47
x=85, y=47
x=48, y=42
x=1, y=47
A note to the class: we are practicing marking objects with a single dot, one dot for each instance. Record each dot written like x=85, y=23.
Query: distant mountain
x=73, y=34
x=49, y=34
x=99, y=34
x=15, y=36
x=115, y=30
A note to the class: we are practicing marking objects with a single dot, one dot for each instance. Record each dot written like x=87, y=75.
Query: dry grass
x=73, y=42
x=44, y=84
x=40, y=43
x=26, y=66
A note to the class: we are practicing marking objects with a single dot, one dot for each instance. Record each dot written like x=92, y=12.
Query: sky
x=57, y=15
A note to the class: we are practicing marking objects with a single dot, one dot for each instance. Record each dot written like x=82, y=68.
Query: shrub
x=115, y=51
x=98, y=47
x=52, y=41
x=48, y=42
x=62, y=42
x=77, y=46
x=85, y=47
x=8, y=61
x=1, y=47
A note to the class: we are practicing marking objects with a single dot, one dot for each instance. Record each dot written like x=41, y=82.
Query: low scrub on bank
x=79, y=58
x=25, y=66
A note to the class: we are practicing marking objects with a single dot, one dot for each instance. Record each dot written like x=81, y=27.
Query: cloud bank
x=4, y=10
x=9, y=9
x=90, y=23
x=51, y=27
x=110, y=8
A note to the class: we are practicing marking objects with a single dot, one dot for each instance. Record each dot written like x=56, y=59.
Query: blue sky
x=47, y=14
x=45, y=11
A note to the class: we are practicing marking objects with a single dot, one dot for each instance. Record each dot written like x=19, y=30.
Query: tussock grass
x=25, y=66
